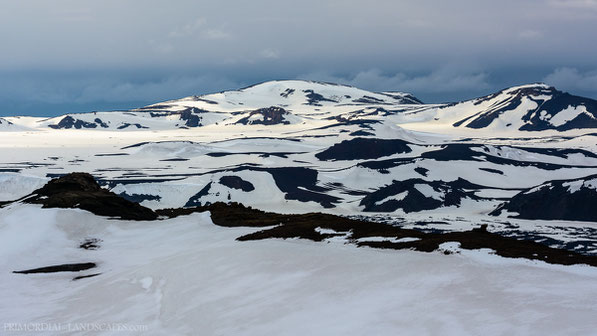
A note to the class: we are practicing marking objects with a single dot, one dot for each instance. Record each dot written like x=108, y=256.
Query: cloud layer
x=114, y=51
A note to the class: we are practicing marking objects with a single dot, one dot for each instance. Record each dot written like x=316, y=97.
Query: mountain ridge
x=532, y=107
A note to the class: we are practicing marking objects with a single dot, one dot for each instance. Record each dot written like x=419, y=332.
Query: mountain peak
x=529, y=107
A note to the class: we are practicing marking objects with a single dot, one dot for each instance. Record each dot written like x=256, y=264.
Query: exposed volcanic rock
x=364, y=149
x=308, y=226
x=415, y=195
x=493, y=171
x=101, y=123
x=563, y=199
x=80, y=190
x=361, y=133
x=544, y=118
x=138, y=198
x=236, y=182
x=315, y=99
x=287, y=93
x=422, y=171
x=195, y=200
x=272, y=115
x=369, y=100
x=297, y=183
x=540, y=108
x=191, y=119
x=482, y=153
x=59, y=268
x=126, y=125
x=405, y=98
x=70, y=122
x=300, y=183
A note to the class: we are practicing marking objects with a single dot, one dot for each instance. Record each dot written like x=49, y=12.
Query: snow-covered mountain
x=531, y=108
x=563, y=199
x=311, y=146
x=479, y=184
x=525, y=109
x=291, y=100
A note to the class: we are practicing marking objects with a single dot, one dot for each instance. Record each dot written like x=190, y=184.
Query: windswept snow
x=187, y=275
x=14, y=186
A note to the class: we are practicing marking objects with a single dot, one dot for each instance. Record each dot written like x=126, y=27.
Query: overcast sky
x=75, y=55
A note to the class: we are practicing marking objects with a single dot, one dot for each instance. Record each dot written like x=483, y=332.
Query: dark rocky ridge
x=452, y=194
x=364, y=149
x=70, y=122
x=59, y=268
x=404, y=98
x=315, y=99
x=556, y=102
x=236, y=182
x=297, y=183
x=80, y=190
x=554, y=200
x=305, y=227
x=126, y=125
x=481, y=153
x=272, y=115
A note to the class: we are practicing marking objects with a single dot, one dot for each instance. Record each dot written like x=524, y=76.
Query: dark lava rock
x=493, y=171
x=369, y=100
x=85, y=276
x=59, y=268
x=548, y=99
x=195, y=200
x=90, y=244
x=306, y=226
x=272, y=115
x=236, y=182
x=315, y=99
x=70, y=122
x=422, y=171
x=404, y=98
x=480, y=153
x=101, y=123
x=191, y=119
x=364, y=149
x=297, y=183
x=80, y=190
x=300, y=183
x=126, y=125
x=287, y=93
x=413, y=200
x=361, y=133
x=138, y=198
x=562, y=199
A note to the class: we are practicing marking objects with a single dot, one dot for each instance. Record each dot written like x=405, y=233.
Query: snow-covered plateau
x=522, y=161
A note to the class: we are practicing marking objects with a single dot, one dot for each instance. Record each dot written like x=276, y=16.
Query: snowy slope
x=531, y=108
x=308, y=146
x=298, y=147
x=187, y=276
x=296, y=98
x=564, y=199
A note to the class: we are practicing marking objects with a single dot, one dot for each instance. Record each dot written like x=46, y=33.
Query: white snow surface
x=575, y=186
x=187, y=276
x=14, y=186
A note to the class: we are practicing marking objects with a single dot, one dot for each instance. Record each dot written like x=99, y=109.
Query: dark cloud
x=573, y=79
x=441, y=82
x=119, y=52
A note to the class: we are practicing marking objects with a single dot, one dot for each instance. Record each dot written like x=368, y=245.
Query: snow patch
x=429, y=192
